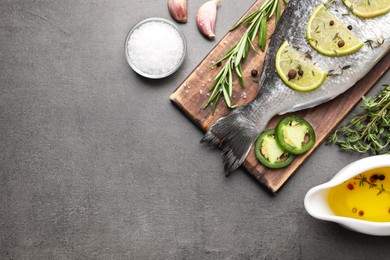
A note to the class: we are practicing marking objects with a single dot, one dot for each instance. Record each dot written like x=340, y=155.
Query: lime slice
x=368, y=8
x=296, y=70
x=329, y=36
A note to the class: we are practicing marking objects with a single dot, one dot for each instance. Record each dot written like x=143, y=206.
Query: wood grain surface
x=193, y=93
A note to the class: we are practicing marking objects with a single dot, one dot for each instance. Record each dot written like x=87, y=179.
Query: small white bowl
x=147, y=74
x=316, y=203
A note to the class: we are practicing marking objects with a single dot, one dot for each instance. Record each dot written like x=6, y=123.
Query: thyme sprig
x=374, y=43
x=256, y=23
x=368, y=131
x=364, y=180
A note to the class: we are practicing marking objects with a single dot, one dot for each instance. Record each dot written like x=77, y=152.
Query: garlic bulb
x=178, y=10
x=205, y=18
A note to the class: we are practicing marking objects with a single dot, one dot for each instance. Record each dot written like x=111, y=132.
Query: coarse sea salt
x=156, y=48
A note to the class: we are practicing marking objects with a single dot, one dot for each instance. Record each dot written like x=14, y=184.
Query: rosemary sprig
x=256, y=23
x=368, y=131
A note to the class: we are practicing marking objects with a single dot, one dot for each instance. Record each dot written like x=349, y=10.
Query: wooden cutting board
x=193, y=93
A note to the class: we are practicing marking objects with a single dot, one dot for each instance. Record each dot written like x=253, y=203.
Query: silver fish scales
x=237, y=132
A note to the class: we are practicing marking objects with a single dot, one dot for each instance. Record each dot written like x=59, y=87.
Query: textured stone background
x=96, y=163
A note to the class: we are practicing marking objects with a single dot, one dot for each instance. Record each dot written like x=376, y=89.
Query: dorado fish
x=236, y=132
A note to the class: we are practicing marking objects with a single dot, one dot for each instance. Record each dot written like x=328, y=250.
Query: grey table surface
x=96, y=163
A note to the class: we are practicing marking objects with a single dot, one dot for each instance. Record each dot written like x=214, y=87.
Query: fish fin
x=235, y=134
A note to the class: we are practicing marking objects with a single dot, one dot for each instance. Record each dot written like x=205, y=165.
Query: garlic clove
x=205, y=18
x=178, y=10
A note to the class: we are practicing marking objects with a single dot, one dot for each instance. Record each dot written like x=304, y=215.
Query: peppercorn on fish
x=236, y=132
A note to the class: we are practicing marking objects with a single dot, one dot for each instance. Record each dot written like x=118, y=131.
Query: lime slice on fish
x=296, y=70
x=329, y=36
x=368, y=8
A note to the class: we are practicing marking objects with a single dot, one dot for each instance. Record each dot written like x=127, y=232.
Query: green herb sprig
x=364, y=180
x=374, y=43
x=368, y=131
x=236, y=55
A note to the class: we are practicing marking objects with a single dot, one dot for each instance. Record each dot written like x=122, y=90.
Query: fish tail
x=235, y=134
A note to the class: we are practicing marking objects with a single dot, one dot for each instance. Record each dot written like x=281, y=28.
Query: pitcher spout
x=316, y=203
